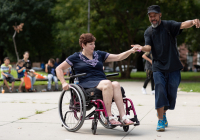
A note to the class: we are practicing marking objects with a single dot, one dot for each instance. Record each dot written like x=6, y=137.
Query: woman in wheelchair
x=91, y=62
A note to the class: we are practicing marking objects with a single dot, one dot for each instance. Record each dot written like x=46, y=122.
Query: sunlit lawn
x=190, y=80
x=190, y=87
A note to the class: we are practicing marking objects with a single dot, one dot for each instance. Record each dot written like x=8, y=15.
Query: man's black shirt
x=164, y=47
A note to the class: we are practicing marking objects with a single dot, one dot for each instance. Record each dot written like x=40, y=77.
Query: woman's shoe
x=114, y=120
x=125, y=120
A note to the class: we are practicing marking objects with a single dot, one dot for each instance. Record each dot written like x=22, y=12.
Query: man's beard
x=155, y=25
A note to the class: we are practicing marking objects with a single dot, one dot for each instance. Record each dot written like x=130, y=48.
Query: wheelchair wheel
x=126, y=128
x=103, y=119
x=72, y=108
x=94, y=127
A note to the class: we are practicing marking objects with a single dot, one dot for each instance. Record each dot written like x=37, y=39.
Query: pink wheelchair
x=74, y=103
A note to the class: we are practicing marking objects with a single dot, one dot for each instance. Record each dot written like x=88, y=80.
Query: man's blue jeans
x=50, y=77
x=166, y=85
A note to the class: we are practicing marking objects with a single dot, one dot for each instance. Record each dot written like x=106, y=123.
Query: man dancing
x=160, y=38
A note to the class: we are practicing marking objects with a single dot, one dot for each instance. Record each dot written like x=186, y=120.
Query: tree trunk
x=15, y=46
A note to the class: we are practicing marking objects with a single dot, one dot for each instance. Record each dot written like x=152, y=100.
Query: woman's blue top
x=93, y=68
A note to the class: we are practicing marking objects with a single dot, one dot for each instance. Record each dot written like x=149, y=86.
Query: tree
x=36, y=37
x=117, y=24
x=71, y=17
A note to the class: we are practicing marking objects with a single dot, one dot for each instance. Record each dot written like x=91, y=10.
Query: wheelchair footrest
x=135, y=119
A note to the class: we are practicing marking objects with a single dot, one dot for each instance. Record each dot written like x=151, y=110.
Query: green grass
x=23, y=118
x=22, y=102
x=137, y=76
x=39, y=112
x=17, y=83
x=140, y=76
x=190, y=87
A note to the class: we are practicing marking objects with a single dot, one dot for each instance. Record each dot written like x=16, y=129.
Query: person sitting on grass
x=5, y=71
x=20, y=72
x=50, y=69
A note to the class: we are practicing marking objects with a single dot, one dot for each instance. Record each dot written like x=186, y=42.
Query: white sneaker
x=144, y=91
x=153, y=92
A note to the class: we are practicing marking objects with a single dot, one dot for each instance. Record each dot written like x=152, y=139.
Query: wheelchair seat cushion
x=94, y=93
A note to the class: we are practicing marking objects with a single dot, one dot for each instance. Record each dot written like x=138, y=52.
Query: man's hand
x=46, y=65
x=196, y=23
x=65, y=86
x=137, y=47
x=6, y=75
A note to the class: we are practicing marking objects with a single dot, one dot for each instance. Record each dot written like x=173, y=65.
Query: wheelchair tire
x=72, y=110
x=94, y=127
x=126, y=128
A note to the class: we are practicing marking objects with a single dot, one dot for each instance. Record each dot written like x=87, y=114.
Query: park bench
x=17, y=79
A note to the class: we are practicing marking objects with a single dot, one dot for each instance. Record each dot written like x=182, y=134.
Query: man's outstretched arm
x=146, y=48
x=190, y=23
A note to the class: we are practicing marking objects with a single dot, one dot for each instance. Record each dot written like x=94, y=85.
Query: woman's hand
x=133, y=50
x=65, y=86
x=137, y=47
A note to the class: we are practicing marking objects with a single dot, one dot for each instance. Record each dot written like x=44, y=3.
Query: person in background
x=148, y=67
x=5, y=71
x=20, y=71
x=57, y=62
x=50, y=69
x=27, y=65
x=42, y=66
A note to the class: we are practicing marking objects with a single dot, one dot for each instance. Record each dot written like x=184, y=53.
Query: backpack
x=27, y=81
x=166, y=26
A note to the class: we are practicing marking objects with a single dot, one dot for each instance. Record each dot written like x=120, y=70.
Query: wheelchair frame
x=99, y=113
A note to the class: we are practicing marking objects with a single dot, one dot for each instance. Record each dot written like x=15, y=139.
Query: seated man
x=5, y=71
x=91, y=62
x=50, y=69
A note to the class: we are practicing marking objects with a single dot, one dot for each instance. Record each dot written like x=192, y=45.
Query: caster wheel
x=94, y=127
x=126, y=128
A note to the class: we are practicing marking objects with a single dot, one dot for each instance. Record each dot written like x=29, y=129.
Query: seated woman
x=91, y=62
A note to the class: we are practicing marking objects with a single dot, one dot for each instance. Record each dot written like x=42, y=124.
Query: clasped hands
x=137, y=48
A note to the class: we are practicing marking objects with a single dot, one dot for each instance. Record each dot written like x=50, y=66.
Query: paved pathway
x=184, y=122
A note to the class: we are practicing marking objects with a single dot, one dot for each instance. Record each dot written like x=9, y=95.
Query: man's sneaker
x=153, y=92
x=165, y=120
x=144, y=90
x=160, y=126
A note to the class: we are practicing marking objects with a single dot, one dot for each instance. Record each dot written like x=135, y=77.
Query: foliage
x=36, y=35
x=71, y=17
x=52, y=27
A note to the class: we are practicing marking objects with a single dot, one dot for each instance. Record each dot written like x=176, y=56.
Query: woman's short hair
x=86, y=38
